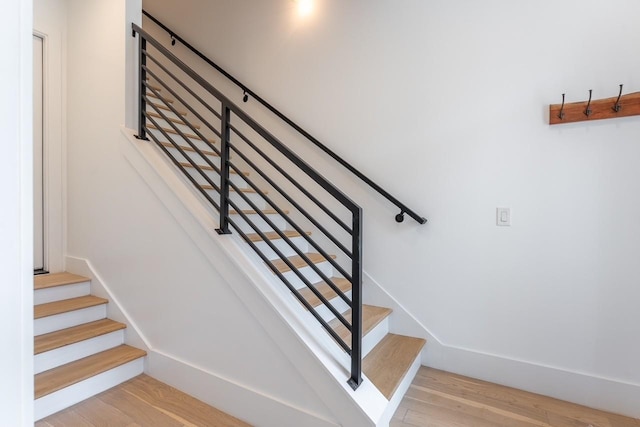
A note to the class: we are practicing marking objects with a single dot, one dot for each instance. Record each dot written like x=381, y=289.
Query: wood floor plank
x=96, y=409
x=325, y=290
x=58, y=307
x=390, y=360
x=75, y=334
x=44, y=281
x=178, y=405
x=63, y=376
x=67, y=418
x=298, y=262
x=499, y=405
x=143, y=413
x=371, y=316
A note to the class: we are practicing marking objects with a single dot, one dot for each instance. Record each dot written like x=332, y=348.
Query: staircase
x=79, y=352
x=390, y=361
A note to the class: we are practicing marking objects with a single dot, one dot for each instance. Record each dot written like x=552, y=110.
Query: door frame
x=53, y=137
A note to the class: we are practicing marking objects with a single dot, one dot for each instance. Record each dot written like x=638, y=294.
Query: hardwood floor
x=140, y=402
x=435, y=399
x=441, y=399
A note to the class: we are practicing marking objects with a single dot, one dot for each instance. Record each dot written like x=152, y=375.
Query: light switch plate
x=503, y=217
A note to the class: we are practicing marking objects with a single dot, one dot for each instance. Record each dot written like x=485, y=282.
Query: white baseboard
x=606, y=394
x=249, y=405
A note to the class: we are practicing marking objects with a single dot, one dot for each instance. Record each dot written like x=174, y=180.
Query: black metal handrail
x=403, y=208
x=201, y=150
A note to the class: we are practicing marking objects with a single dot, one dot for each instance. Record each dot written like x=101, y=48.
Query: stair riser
x=404, y=385
x=283, y=247
x=60, y=356
x=374, y=336
x=66, y=320
x=177, y=138
x=261, y=224
x=78, y=392
x=213, y=176
x=338, y=303
x=310, y=274
x=59, y=293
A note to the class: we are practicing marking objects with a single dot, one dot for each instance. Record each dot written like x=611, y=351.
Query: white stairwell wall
x=445, y=104
x=200, y=336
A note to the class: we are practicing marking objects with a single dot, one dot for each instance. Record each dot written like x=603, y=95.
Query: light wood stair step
x=64, y=306
x=208, y=168
x=326, y=291
x=54, y=340
x=164, y=107
x=191, y=149
x=371, y=316
x=171, y=119
x=243, y=190
x=44, y=281
x=252, y=212
x=298, y=262
x=390, y=360
x=272, y=235
x=188, y=135
x=151, y=94
x=156, y=88
x=66, y=375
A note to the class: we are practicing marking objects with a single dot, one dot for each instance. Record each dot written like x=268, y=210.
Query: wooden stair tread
x=371, y=316
x=151, y=94
x=58, y=307
x=156, y=88
x=63, y=376
x=208, y=168
x=43, y=281
x=75, y=334
x=164, y=107
x=171, y=119
x=243, y=190
x=188, y=148
x=389, y=361
x=272, y=235
x=298, y=262
x=325, y=290
x=252, y=212
x=188, y=135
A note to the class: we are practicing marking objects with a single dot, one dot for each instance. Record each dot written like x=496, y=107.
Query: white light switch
x=503, y=217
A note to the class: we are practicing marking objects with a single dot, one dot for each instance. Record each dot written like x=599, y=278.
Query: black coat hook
x=245, y=98
x=617, y=107
x=588, y=111
x=561, y=114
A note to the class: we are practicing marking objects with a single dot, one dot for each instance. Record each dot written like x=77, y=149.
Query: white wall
x=181, y=304
x=445, y=104
x=16, y=215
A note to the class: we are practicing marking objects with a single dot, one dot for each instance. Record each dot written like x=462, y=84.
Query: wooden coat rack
x=597, y=109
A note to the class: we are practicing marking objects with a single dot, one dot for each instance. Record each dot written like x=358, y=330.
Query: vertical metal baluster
x=356, y=301
x=224, y=171
x=142, y=75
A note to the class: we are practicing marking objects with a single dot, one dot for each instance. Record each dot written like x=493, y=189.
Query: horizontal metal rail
x=403, y=208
